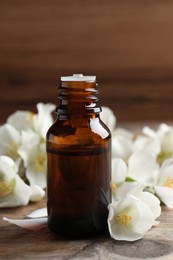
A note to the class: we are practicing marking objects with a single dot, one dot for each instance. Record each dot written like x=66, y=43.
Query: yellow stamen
x=29, y=117
x=5, y=188
x=124, y=218
x=12, y=151
x=163, y=156
x=114, y=186
x=168, y=182
x=40, y=162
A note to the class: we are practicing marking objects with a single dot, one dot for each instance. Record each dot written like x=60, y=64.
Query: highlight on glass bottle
x=78, y=161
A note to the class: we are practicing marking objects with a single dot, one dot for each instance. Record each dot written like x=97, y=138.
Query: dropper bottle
x=78, y=161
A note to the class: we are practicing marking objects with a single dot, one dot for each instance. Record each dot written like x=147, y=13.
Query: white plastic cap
x=78, y=77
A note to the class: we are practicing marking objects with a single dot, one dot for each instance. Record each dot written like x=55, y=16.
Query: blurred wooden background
x=127, y=44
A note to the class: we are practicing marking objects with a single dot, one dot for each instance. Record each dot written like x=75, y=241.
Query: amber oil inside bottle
x=78, y=162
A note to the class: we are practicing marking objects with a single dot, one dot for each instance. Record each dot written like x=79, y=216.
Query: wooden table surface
x=18, y=243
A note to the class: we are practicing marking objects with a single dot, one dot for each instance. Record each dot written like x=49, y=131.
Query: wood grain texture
x=18, y=243
x=127, y=44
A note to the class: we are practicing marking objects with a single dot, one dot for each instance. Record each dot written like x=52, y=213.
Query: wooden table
x=18, y=243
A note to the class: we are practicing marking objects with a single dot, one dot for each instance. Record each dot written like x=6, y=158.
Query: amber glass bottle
x=78, y=161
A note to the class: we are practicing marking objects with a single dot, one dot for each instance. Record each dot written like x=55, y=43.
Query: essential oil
x=78, y=161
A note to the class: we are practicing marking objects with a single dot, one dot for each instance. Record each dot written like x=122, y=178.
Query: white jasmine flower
x=163, y=135
x=43, y=120
x=119, y=172
x=9, y=141
x=33, y=153
x=137, y=190
x=13, y=191
x=122, y=186
x=40, y=122
x=143, y=168
x=149, y=132
x=129, y=187
x=129, y=219
x=21, y=120
x=162, y=129
x=122, y=143
x=10, y=162
x=108, y=117
x=152, y=202
x=164, y=183
x=122, y=190
x=147, y=144
x=23, y=139
x=37, y=193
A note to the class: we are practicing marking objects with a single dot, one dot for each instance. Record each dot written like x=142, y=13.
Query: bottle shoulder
x=60, y=128
x=90, y=133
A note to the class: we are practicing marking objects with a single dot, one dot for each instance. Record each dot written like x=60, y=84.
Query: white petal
x=10, y=162
x=118, y=231
x=43, y=120
x=45, y=108
x=8, y=133
x=121, y=147
x=143, y=168
x=29, y=146
x=141, y=219
x=16, y=192
x=167, y=142
x=9, y=141
x=36, y=177
x=152, y=201
x=145, y=219
x=7, y=174
x=127, y=188
x=119, y=170
x=147, y=144
x=165, y=194
x=32, y=224
x=150, y=132
x=108, y=117
x=20, y=120
x=37, y=193
x=39, y=213
x=137, y=190
x=163, y=127
x=166, y=163
x=35, y=162
x=29, y=137
x=166, y=172
x=19, y=197
x=123, y=132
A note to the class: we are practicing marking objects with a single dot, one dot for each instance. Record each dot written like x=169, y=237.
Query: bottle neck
x=78, y=97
